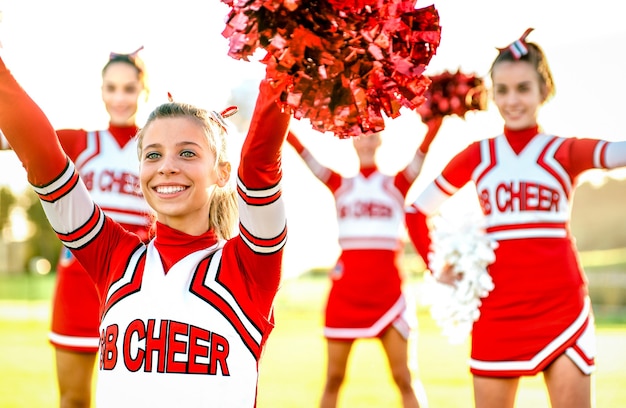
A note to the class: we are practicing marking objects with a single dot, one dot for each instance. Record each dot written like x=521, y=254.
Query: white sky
x=57, y=48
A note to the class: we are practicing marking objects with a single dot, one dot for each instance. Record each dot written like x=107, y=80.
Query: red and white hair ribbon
x=519, y=48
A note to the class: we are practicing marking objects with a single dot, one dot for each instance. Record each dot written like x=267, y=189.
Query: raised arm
x=331, y=179
x=261, y=209
x=29, y=132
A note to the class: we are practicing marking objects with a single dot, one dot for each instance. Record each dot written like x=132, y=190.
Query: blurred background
x=56, y=50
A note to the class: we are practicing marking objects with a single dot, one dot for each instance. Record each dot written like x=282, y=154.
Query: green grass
x=292, y=369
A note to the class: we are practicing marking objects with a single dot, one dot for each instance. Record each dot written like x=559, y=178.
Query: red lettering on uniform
x=179, y=347
x=485, y=204
x=156, y=344
x=120, y=182
x=529, y=203
x=137, y=328
x=219, y=352
x=87, y=178
x=366, y=209
x=108, y=347
x=176, y=344
x=515, y=195
x=197, y=350
x=525, y=196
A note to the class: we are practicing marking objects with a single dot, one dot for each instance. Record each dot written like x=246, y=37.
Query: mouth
x=166, y=190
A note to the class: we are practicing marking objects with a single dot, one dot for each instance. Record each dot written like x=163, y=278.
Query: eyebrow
x=179, y=144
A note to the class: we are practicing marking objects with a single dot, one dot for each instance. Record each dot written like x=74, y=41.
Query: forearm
x=260, y=164
x=417, y=227
x=29, y=132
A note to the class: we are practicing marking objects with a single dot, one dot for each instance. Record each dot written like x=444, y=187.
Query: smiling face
x=121, y=88
x=518, y=93
x=178, y=172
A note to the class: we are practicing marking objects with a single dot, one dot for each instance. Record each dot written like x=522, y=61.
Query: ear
x=223, y=174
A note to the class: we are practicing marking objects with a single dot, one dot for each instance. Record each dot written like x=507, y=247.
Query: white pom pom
x=463, y=246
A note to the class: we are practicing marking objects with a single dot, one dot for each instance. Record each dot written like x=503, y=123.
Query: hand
x=448, y=276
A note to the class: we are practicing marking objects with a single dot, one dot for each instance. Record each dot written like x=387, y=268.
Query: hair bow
x=131, y=56
x=518, y=48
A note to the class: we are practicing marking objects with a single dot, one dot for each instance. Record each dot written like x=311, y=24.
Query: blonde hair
x=223, y=210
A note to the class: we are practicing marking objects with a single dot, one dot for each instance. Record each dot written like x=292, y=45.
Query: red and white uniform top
x=184, y=318
x=370, y=205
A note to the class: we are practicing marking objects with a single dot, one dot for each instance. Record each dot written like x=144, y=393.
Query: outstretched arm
x=29, y=132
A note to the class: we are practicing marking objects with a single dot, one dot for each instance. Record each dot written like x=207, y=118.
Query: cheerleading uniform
x=539, y=307
x=184, y=318
x=366, y=292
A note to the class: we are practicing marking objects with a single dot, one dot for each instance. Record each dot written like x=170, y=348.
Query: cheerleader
x=538, y=316
x=366, y=299
x=185, y=317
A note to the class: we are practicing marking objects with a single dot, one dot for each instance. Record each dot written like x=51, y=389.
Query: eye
x=131, y=90
x=152, y=155
x=187, y=153
x=500, y=90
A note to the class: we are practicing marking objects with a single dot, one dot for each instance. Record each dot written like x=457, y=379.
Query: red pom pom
x=453, y=94
x=344, y=63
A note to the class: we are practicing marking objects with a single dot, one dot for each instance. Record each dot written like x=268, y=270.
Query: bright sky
x=57, y=48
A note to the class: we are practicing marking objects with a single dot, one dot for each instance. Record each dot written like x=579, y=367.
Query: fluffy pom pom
x=453, y=94
x=463, y=246
x=345, y=64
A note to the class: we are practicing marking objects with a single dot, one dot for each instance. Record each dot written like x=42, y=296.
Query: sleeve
x=29, y=132
x=331, y=179
x=578, y=155
x=262, y=220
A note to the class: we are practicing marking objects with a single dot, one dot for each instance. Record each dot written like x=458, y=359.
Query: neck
x=519, y=138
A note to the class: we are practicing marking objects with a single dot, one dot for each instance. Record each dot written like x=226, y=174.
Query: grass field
x=292, y=369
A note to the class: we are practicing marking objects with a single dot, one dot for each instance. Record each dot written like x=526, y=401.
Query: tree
x=43, y=242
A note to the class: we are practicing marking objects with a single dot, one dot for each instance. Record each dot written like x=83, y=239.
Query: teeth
x=169, y=189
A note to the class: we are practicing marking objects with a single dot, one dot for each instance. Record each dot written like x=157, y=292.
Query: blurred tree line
x=41, y=241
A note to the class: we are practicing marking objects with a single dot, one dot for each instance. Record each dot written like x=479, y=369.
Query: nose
x=512, y=97
x=168, y=165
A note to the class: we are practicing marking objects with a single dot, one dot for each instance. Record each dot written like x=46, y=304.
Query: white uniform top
x=111, y=176
x=370, y=212
x=183, y=352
